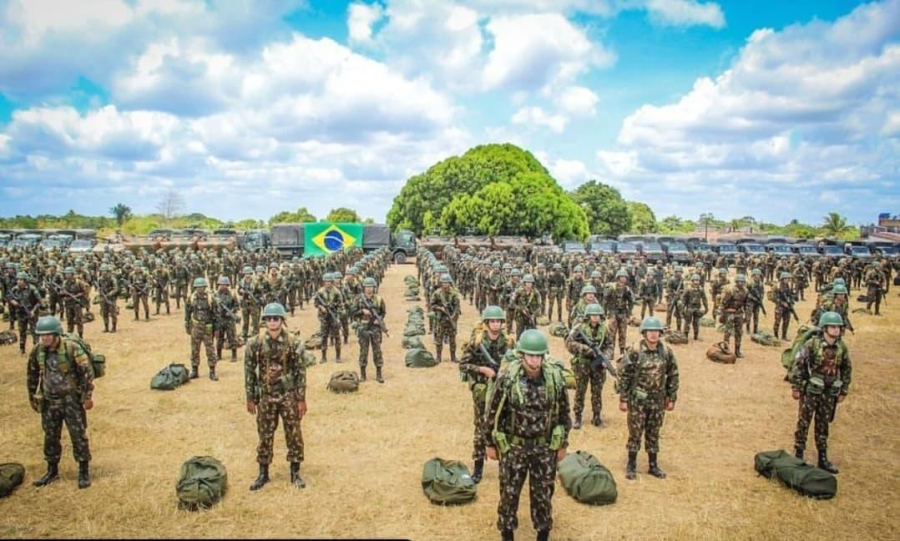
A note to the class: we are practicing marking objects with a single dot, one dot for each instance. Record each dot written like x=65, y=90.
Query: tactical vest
x=554, y=384
x=283, y=383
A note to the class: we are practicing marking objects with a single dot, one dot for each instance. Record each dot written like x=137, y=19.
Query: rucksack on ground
x=765, y=338
x=343, y=382
x=707, y=322
x=586, y=479
x=542, y=321
x=313, y=343
x=412, y=342
x=414, y=329
x=170, y=377
x=202, y=481
x=8, y=337
x=721, y=353
x=11, y=475
x=559, y=329
x=796, y=474
x=420, y=358
x=676, y=337
x=447, y=482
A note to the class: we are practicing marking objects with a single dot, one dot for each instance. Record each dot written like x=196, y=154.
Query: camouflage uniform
x=26, y=313
x=75, y=297
x=472, y=360
x=674, y=287
x=526, y=303
x=249, y=305
x=647, y=378
x=618, y=304
x=329, y=321
x=181, y=275
x=108, y=287
x=225, y=302
x=648, y=294
x=161, y=281
x=875, y=287
x=694, y=306
x=734, y=300
x=584, y=373
x=445, y=320
x=140, y=284
x=557, y=282
x=784, y=301
x=369, y=331
x=758, y=291
x=198, y=320
x=573, y=293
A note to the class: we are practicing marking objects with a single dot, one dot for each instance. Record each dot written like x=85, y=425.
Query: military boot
x=296, y=480
x=543, y=535
x=798, y=453
x=219, y=354
x=654, y=467
x=362, y=373
x=84, y=474
x=631, y=466
x=105, y=326
x=596, y=420
x=234, y=355
x=51, y=475
x=737, y=352
x=378, y=375
x=324, y=356
x=577, y=424
x=113, y=327
x=337, y=351
x=453, y=352
x=440, y=351
x=824, y=463
x=262, y=479
x=212, y=373
x=506, y=535
x=194, y=373
x=478, y=471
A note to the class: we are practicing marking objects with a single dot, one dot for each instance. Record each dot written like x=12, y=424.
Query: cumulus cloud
x=532, y=117
x=361, y=18
x=577, y=100
x=685, y=12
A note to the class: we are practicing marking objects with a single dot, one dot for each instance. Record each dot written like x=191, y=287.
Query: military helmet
x=579, y=268
x=515, y=272
x=352, y=271
x=48, y=325
x=51, y=263
x=336, y=275
x=784, y=276
x=223, y=281
x=493, y=312
x=369, y=282
x=247, y=270
x=557, y=266
x=200, y=282
x=295, y=259
x=105, y=268
x=621, y=273
x=260, y=268
x=839, y=289
x=695, y=277
x=532, y=342
x=756, y=272
x=593, y=309
x=723, y=271
x=327, y=277
x=651, y=323
x=69, y=270
x=274, y=309
x=507, y=266
x=830, y=318
x=740, y=278
x=139, y=263
x=495, y=265
x=21, y=275
x=273, y=265
x=596, y=274
x=840, y=281
x=528, y=279
x=678, y=269
x=445, y=279
x=588, y=289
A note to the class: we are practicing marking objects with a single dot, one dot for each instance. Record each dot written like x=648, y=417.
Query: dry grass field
x=364, y=452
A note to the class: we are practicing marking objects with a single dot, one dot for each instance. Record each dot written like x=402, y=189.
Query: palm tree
x=121, y=212
x=835, y=225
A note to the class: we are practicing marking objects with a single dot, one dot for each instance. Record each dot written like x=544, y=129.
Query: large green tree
x=607, y=212
x=302, y=215
x=343, y=215
x=643, y=220
x=121, y=212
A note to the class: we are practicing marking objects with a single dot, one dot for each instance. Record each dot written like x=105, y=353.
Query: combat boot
x=798, y=453
x=378, y=376
x=324, y=356
x=596, y=420
x=631, y=466
x=51, y=475
x=506, y=535
x=262, y=479
x=212, y=373
x=105, y=327
x=577, y=424
x=478, y=471
x=234, y=355
x=824, y=463
x=737, y=352
x=654, y=467
x=440, y=352
x=113, y=327
x=84, y=474
x=194, y=373
x=543, y=535
x=362, y=373
x=296, y=480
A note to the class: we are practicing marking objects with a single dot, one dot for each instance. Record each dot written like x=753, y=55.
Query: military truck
x=289, y=240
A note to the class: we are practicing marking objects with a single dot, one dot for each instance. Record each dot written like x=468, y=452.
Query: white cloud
x=361, y=18
x=685, y=12
x=569, y=173
x=531, y=117
x=577, y=100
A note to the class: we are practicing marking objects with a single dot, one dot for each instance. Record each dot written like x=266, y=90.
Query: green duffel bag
x=796, y=474
x=707, y=322
x=587, y=480
x=343, y=382
x=542, y=321
x=202, y=482
x=559, y=329
x=420, y=358
x=170, y=377
x=447, y=482
x=11, y=475
x=414, y=329
x=412, y=342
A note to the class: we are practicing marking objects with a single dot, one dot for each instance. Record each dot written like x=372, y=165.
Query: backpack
x=202, y=482
x=720, y=353
x=793, y=473
x=542, y=321
x=420, y=358
x=587, y=480
x=11, y=475
x=8, y=337
x=707, y=322
x=676, y=337
x=412, y=342
x=559, y=329
x=314, y=342
x=98, y=360
x=447, y=482
x=343, y=382
x=414, y=328
x=170, y=377
x=765, y=338
x=804, y=333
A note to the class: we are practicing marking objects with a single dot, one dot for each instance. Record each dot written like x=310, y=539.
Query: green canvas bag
x=98, y=360
x=412, y=342
x=447, y=482
x=170, y=377
x=587, y=480
x=796, y=474
x=420, y=358
x=559, y=329
x=202, y=482
x=11, y=475
x=343, y=382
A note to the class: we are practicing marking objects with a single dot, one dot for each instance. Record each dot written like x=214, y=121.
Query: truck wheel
x=399, y=258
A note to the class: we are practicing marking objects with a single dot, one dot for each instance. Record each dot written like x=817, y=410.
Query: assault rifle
x=244, y=291
x=228, y=311
x=328, y=311
x=492, y=363
x=758, y=302
x=600, y=362
x=450, y=315
x=375, y=315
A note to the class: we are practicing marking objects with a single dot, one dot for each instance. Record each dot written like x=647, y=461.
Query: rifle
x=244, y=291
x=20, y=304
x=337, y=320
x=228, y=311
x=758, y=302
x=141, y=291
x=375, y=315
x=449, y=315
x=600, y=361
x=77, y=298
x=492, y=363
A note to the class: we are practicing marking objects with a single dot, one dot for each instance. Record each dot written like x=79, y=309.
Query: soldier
x=716, y=288
x=60, y=386
x=557, y=282
x=581, y=341
x=25, y=301
x=275, y=384
x=695, y=306
x=181, y=275
x=479, y=367
x=648, y=387
x=74, y=295
x=445, y=304
x=820, y=379
x=370, y=311
x=328, y=302
x=140, y=286
x=108, y=289
x=161, y=279
x=542, y=285
x=875, y=287
x=783, y=297
x=224, y=317
x=198, y=323
x=648, y=293
x=674, y=287
x=507, y=291
x=800, y=275
x=573, y=289
x=619, y=301
x=54, y=280
x=755, y=300
x=250, y=303
x=734, y=300
x=528, y=421
x=588, y=297
x=9, y=282
x=527, y=305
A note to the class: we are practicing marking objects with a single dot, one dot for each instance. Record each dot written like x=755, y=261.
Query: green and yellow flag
x=323, y=238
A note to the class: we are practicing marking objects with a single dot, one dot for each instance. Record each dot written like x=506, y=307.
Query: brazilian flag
x=323, y=238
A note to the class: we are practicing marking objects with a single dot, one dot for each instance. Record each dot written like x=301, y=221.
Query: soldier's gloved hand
x=251, y=407
x=795, y=394
x=88, y=404
x=623, y=406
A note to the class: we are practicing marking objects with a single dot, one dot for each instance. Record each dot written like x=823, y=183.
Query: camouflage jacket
x=648, y=373
x=273, y=367
x=817, y=359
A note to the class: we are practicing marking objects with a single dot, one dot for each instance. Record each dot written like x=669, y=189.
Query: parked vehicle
x=677, y=252
x=807, y=250
x=780, y=250
x=602, y=248
x=728, y=250
x=573, y=247
x=626, y=250
x=653, y=251
x=857, y=251
x=289, y=240
x=752, y=248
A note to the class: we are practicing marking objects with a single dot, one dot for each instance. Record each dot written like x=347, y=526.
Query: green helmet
x=507, y=266
x=337, y=275
x=223, y=281
x=369, y=282
x=740, y=278
x=621, y=273
x=69, y=270
x=515, y=272
x=138, y=263
x=588, y=289
x=48, y=325
x=593, y=309
x=495, y=265
x=200, y=282
x=274, y=309
x=21, y=275
x=557, y=266
x=695, y=277
x=532, y=342
x=596, y=274
x=839, y=289
x=105, y=268
x=493, y=312
x=528, y=279
x=756, y=272
x=830, y=318
x=327, y=277
x=723, y=271
x=579, y=268
x=784, y=276
x=247, y=270
x=679, y=269
x=840, y=281
x=651, y=323
x=260, y=268
x=273, y=265
x=445, y=279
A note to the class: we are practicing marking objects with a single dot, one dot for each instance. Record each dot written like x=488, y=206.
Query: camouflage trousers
x=11, y=310
x=69, y=410
x=539, y=465
x=225, y=337
x=584, y=376
x=618, y=327
x=751, y=319
x=444, y=331
x=555, y=297
x=201, y=333
x=782, y=320
x=74, y=317
x=162, y=298
x=523, y=325
x=268, y=411
x=819, y=406
x=692, y=321
x=734, y=326
x=345, y=326
x=480, y=440
x=371, y=338
x=672, y=309
x=331, y=333
x=647, y=305
x=110, y=313
x=26, y=327
x=873, y=293
x=645, y=419
x=179, y=293
x=54, y=303
x=137, y=300
x=250, y=317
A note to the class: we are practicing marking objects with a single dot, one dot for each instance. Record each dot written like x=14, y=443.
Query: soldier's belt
x=527, y=442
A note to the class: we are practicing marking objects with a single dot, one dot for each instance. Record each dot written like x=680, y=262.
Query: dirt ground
x=364, y=452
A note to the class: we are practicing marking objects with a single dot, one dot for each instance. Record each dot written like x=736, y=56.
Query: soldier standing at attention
x=674, y=287
x=328, y=302
x=820, y=380
x=526, y=304
x=734, y=301
x=275, y=384
x=369, y=309
x=528, y=421
x=694, y=305
x=224, y=316
x=648, y=387
x=757, y=294
x=25, y=300
x=648, y=293
x=784, y=300
x=249, y=302
x=198, y=323
x=140, y=284
x=557, y=282
x=619, y=301
x=596, y=332
x=161, y=279
x=445, y=303
x=573, y=290
x=75, y=296
x=108, y=287
x=60, y=386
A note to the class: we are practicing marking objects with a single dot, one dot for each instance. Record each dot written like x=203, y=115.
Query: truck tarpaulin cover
x=323, y=238
x=376, y=236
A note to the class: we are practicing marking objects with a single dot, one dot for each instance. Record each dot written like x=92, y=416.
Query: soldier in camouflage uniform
x=527, y=417
x=581, y=339
x=674, y=288
x=619, y=301
x=250, y=302
x=445, y=304
x=368, y=309
x=346, y=299
x=60, y=387
x=108, y=288
x=74, y=297
x=328, y=302
x=526, y=304
x=820, y=379
x=783, y=297
x=694, y=306
x=734, y=301
x=480, y=372
x=542, y=285
x=161, y=280
x=588, y=297
x=875, y=288
x=648, y=293
x=573, y=290
x=180, y=276
x=648, y=387
x=836, y=301
x=224, y=317
x=717, y=286
x=507, y=291
x=754, y=302
x=557, y=282
x=140, y=287
x=198, y=323
x=275, y=385
x=25, y=301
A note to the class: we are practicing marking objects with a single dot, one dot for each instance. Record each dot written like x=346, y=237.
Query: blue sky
x=771, y=109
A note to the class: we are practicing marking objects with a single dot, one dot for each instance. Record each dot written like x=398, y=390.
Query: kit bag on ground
x=412, y=342
x=587, y=480
x=447, y=482
x=344, y=382
x=170, y=377
x=794, y=473
x=676, y=337
x=8, y=337
x=11, y=476
x=420, y=358
x=720, y=353
x=202, y=482
x=559, y=329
